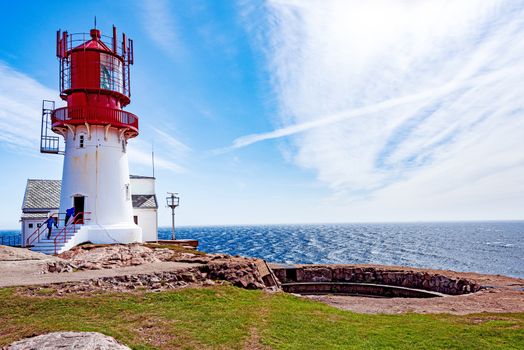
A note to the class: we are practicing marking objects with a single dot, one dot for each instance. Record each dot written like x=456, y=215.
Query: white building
x=42, y=198
x=145, y=206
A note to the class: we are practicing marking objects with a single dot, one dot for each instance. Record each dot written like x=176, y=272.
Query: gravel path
x=25, y=273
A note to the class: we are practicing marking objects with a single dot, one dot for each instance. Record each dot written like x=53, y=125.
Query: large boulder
x=69, y=340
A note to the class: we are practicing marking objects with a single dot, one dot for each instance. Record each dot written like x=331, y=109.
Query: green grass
x=233, y=318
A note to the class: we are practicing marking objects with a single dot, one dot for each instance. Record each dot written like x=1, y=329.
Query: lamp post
x=172, y=201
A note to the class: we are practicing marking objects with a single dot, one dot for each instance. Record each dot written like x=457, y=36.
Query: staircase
x=58, y=241
x=62, y=238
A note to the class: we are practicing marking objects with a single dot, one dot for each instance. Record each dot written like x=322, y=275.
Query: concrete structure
x=145, y=206
x=42, y=198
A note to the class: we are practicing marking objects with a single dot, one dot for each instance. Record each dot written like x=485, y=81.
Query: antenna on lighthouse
x=153, y=157
x=95, y=22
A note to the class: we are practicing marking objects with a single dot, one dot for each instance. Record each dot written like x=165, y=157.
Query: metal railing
x=77, y=39
x=94, y=115
x=40, y=228
x=11, y=240
x=79, y=219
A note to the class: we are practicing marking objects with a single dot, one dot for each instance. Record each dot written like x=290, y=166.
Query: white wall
x=147, y=220
x=143, y=186
x=27, y=231
x=98, y=169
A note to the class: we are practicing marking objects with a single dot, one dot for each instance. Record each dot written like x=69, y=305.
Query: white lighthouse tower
x=94, y=81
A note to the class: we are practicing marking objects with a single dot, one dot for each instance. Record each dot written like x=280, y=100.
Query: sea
x=493, y=247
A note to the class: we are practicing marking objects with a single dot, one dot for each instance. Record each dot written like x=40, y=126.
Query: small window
x=30, y=225
x=38, y=225
x=124, y=146
x=135, y=219
x=128, y=195
x=81, y=141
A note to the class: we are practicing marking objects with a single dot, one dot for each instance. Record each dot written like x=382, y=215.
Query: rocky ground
x=92, y=268
x=153, y=267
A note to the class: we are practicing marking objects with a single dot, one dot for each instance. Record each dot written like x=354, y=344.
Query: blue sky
x=294, y=111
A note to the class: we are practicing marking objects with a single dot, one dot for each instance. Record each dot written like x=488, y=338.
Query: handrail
x=37, y=232
x=94, y=115
x=63, y=232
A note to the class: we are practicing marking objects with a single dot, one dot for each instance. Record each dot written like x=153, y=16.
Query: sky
x=267, y=112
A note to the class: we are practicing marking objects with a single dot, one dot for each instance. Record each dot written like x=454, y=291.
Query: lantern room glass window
x=111, y=73
x=65, y=77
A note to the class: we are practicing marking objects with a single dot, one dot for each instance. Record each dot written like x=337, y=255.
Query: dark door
x=79, y=209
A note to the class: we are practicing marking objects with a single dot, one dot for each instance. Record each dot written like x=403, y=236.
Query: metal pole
x=173, y=223
x=153, y=157
x=172, y=217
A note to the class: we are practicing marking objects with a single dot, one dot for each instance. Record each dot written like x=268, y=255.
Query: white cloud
x=411, y=106
x=21, y=109
x=171, y=143
x=20, y=117
x=160, y=26
x=139, y=153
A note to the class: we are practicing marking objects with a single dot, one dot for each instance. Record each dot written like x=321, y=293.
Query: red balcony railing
x=94, y=116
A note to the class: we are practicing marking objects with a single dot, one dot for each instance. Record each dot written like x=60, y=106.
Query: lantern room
x=95, y=63
x=95, y=81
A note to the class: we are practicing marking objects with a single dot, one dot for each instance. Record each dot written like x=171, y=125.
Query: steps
x=67, y=235
x=47, y=246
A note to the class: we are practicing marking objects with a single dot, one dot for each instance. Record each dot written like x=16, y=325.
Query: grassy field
x=232, y=318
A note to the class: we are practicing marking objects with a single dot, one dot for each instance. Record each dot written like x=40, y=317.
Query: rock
x=118, y=255
x=60, y=266
x=187, y=276
x=136, y=261
x=69, y=340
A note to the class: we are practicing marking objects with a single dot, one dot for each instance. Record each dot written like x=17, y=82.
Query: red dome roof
x=94, y=44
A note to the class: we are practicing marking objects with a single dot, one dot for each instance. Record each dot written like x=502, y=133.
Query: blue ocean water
x=495, y=247
x=485, y=247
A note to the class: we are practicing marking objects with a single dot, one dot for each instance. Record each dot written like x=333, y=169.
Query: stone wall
x=394, y=277
x=239, y=272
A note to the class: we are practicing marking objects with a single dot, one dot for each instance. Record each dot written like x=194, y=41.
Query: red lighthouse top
x=94, y=80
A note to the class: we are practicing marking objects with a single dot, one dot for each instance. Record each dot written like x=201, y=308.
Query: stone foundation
x=374, y=275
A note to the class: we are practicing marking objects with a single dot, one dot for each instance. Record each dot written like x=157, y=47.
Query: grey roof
x=141, y=177
x=144, y=201
x=35, y=215
x=41, y=195
x=44, y=195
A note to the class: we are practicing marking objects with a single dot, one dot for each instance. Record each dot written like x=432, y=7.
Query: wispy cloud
x=386, y=99
x=20, y=117
x=425, y=97
x=140, y=153
x=171, y=143
x=20, y=109
x=160, y=25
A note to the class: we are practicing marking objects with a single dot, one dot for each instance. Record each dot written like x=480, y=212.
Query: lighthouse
x=95, y=84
